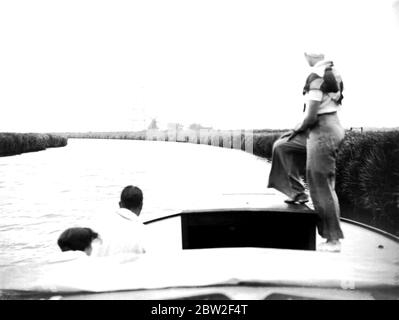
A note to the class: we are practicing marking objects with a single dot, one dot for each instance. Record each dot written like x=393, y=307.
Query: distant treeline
x=17, y=143
x=367, y=165
x=259, y=142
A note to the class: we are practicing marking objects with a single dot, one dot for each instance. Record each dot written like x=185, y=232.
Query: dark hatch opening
x=264, y=229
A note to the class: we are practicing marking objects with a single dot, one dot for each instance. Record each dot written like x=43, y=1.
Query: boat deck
x=369, y=259
x=359, y=240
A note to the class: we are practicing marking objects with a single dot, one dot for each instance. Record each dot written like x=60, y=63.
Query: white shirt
x=120, y=233
x=65, y=256
x=327, y=100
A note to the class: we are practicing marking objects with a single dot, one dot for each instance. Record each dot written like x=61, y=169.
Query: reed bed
x=368, y=178
x=17, y=143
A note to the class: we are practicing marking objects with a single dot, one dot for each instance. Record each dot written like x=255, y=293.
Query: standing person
x=315, y=141
x=122, y=232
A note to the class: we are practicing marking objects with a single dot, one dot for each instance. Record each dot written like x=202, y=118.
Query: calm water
x=43, y=193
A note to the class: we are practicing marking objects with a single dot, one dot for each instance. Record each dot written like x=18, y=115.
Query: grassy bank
x=17, y=143
x=367, y=165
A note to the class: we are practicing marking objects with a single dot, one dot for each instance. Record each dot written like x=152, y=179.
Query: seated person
x=77, y=239
x=122, y=232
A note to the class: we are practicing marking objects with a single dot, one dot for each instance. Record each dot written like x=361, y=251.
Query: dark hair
x=131, y=197
x=330, y=83
x=76, y=239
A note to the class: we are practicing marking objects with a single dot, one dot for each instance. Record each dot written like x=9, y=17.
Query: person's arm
x=309, y=120
x=315, y=98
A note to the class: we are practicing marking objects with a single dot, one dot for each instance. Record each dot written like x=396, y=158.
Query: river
x=43, y=193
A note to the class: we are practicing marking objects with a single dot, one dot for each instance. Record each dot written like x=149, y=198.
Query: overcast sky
x=81, y=65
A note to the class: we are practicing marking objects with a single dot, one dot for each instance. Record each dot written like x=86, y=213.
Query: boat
x=238, y=246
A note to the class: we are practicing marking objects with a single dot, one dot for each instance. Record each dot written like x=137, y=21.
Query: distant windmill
x=153, y=125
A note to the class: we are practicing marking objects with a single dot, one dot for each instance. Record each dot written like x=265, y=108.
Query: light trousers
x=313, y=153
